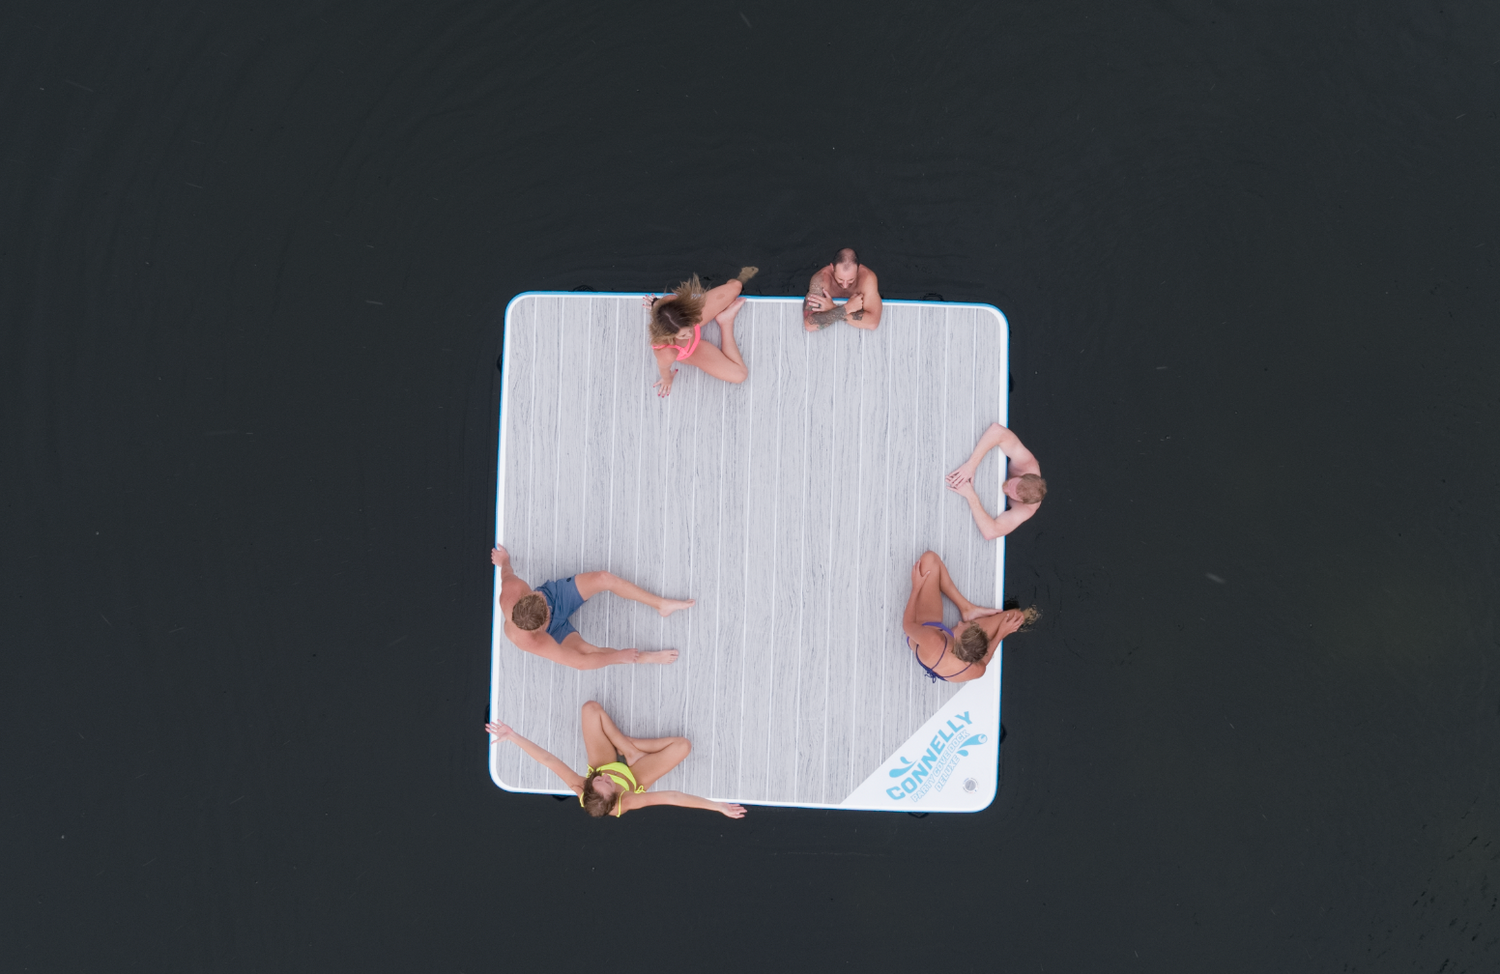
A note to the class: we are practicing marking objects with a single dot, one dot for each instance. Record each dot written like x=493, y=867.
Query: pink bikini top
x=683, y=353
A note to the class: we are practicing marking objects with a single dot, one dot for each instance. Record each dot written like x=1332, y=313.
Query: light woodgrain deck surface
x=791, y=507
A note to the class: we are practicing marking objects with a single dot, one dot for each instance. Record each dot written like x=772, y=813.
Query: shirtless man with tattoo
x=846, y=277
x=537, y=620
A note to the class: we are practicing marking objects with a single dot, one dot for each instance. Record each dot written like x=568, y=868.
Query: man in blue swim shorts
x=537, y=620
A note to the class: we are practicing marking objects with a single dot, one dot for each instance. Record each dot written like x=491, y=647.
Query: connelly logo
x=931, y=771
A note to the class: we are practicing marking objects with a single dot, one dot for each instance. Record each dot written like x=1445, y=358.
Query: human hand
x=917, y=574
x=663, y=386
x=498, y=731
x=648, y=301
x=499, y=557
x=855, y=304
x=963, y=475
x=732, y=810
x=818, y=301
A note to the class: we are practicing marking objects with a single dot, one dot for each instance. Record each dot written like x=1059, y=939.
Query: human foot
x=978, y=612
x=662, y=656
x=726, y=317
x=669, y=606
x=746, y=273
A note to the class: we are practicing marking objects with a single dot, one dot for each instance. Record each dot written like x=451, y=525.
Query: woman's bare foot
x=726, y=317
x=669, y=606
x=746, y=273
x=979, y=612
x=662, y=656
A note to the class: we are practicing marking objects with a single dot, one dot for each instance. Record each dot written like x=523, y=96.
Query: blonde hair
x=971, y=643
x=669, y=316
x=1031, y=489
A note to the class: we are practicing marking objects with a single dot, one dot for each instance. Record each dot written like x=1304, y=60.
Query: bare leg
x=725, y=363
x=657, y=763
x=968, y=610
x=581, y=655
x=987, y=442
x=599, y=735
x=591, y=584
x=929, y=591
x=650, y=745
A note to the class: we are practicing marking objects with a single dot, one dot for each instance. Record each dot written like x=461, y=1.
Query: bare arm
x=996, y=627
x=822, y=319
x=1022, y=461
x=869, y=316
x=682, y=799
x=501, y=733
x=1010, y=519
x=512, y=588
x=665, y=359
x=817, y=294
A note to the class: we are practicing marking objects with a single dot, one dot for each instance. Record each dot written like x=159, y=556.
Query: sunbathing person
x=537, y=621
x=615, y=786
x=846, y=277
x=676, y=327
x=1024, y=486
x=941, y=654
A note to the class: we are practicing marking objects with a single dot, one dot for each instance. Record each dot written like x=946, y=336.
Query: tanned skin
x=853, y=281
x=1022, y=462
x=647, y=758
x=573, y=650
x=929, y=583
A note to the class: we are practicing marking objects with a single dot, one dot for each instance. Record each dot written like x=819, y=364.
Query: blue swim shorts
x=563, y=599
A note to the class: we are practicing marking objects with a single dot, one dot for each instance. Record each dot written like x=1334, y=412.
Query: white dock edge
x=792, y=507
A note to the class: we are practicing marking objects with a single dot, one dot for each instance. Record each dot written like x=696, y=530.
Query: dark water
x=252, y=264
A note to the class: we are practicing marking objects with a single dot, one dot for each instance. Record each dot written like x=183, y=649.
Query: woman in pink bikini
x=676, y=326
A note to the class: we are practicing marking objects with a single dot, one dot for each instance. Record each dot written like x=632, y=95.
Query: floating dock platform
x=791, y=507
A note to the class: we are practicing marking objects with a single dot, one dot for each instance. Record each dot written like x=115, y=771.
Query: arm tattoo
x=825, y=318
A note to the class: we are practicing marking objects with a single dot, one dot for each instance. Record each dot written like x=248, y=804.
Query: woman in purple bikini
x=941, y=654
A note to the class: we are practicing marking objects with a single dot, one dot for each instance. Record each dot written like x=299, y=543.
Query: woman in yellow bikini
x=676, y=328
x=614, y=786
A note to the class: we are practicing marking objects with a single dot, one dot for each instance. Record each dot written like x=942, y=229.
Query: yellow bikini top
x=622, y=776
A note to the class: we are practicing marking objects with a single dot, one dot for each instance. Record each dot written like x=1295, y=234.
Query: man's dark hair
x=846, y=256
